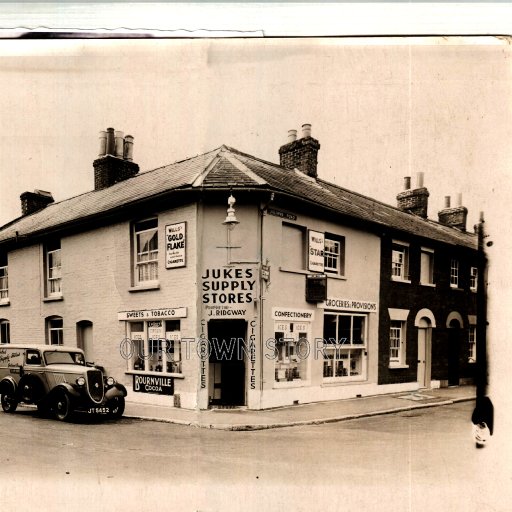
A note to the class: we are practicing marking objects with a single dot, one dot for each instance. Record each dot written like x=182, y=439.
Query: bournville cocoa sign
x=157, y=384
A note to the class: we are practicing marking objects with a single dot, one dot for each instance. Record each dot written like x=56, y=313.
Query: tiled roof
x=227, y=167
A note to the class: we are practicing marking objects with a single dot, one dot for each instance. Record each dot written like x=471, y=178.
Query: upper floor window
x=473, y=279
x=5, y=333
x=454, y=273
x=55, y=330
x=53, y=269
x=4, y=281
x=427, y=266
x=334, y=254
x=400, y=261
x=146, y=251
x=293, y=244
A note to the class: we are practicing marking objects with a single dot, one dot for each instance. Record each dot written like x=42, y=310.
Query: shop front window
x=291, y=351
x=156, y=346
x=344, y=346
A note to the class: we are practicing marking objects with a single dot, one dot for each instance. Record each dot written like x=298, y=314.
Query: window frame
x=4, y=278
x=454, y=273
x=339, y=257
x=400, y=360
x=473, y=279
x=53, y=274
x=341, y=352
x=399, y=247
x=472, y=344
x=165, y=346
x=430, y=253
x=5, y=332
x=52, y=329
x=292, y=369
x=137, y=265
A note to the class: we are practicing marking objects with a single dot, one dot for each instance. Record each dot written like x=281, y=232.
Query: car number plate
x=98, y=410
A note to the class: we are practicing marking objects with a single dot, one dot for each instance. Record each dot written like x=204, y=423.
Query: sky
x=382, y=109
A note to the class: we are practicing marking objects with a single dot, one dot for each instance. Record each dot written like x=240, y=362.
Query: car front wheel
x=62, y=406
x=116, y=406
x=9, y=403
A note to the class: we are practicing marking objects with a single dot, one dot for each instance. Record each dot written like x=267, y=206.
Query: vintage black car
x=58, y=380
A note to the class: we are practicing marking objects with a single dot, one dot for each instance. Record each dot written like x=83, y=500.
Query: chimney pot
x=447, y=201
x=459, y=199
x=110, y=141
x=103, y=143
x=306, y=130
x=419, y=179
x=407, y=183
x=128, y=148
x=292, y=135
x=119, y=144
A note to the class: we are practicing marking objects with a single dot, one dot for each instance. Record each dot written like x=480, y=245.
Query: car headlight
x=80, y=381
x=110, y=381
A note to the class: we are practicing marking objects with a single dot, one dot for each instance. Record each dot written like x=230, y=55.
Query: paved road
x=417, y=461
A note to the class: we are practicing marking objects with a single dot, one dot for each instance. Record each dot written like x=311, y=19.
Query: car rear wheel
x=116, y=407
x=62, y=406
x=9, y=403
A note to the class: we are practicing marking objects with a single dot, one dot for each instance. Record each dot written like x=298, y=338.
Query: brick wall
x=414, y=201
x=109, y=170
x=301, y=154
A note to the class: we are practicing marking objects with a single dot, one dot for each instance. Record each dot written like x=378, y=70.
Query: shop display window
x=156, y=346
x=344, y=346
x=291, y=351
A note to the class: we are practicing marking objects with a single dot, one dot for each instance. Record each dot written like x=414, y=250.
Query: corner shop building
x=142, y=269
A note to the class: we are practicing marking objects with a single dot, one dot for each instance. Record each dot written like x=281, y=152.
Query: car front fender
x=8, y=385
x=68, y=388
x=116, y=390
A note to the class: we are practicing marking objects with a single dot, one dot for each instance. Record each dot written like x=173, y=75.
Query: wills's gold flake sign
x=175, y=245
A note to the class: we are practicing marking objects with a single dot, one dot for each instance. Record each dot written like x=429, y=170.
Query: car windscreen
x=64, y=358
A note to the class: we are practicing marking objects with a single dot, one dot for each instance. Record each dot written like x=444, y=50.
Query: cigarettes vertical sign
x=316, y=244
x=175, y=245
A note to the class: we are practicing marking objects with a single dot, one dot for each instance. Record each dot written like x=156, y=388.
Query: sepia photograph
x=255, y=273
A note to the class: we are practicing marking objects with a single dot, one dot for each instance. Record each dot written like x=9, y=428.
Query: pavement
x=303, y=414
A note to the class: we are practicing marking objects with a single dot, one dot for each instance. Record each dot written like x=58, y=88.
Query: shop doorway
x=454, y=335
x=227, y=362
x=85, y=340
x=424, y=353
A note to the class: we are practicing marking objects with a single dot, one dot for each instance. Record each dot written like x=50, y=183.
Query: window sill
x=398, y=366
x=456, y=288
x=144, y=287
x=332, y=381
x=297, y=383
x=473, y=290
x=432, y=285
x=155, y=374
x=55, y=298
x=5, y=302
x=307, y=272
x=399, y=280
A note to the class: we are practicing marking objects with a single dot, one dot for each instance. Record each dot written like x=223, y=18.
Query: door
x=85, y=339
x=424, y=353
x=453, y=353
x=227, y=361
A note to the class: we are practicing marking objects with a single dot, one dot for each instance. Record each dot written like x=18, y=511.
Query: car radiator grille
x=95, y=385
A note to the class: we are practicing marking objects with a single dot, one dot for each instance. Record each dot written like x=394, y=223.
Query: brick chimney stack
x=115, y=159
x=300, y=154
x=455, y=217
x=414, y=201
x=32, y=202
